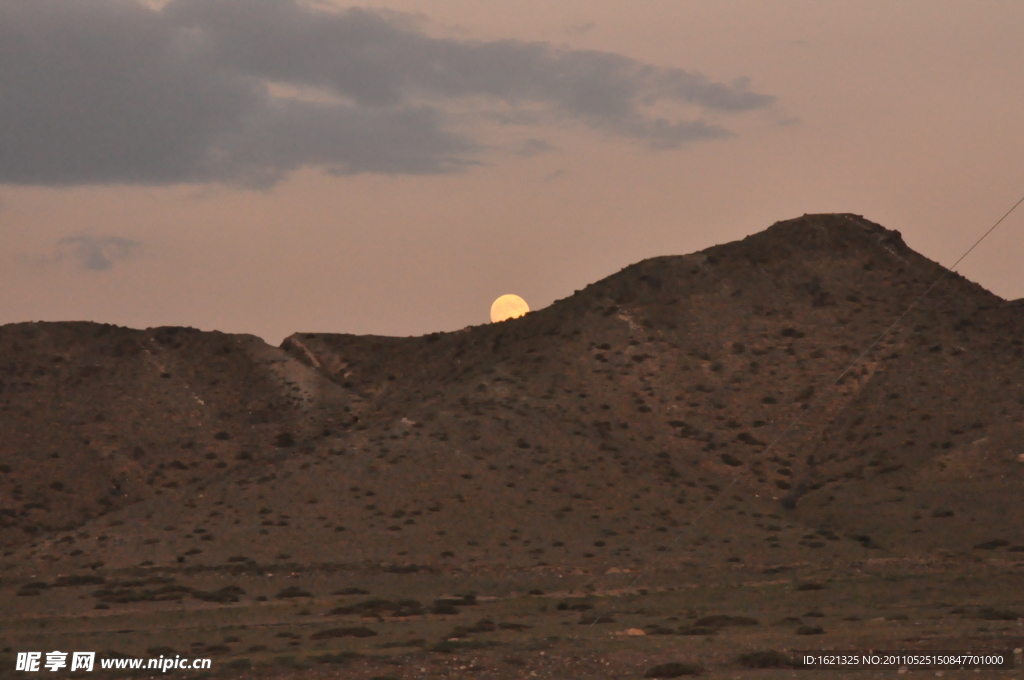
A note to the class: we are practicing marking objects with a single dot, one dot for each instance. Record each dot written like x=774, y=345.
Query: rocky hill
x=692, y=464
x=686, y=406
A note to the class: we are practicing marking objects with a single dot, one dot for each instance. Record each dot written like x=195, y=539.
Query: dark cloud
x=110, y=91
x=96, y=253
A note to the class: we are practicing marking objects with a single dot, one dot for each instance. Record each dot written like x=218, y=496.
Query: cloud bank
x=245, y=91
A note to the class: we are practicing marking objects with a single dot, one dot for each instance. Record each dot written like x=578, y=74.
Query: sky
x=393, y=166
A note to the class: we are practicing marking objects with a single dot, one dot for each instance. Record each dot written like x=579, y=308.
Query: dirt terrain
x=699, y=460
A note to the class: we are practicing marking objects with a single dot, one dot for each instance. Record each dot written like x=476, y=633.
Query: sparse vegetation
x=673, y=669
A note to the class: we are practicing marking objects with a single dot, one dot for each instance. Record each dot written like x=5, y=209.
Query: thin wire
x=827, y=391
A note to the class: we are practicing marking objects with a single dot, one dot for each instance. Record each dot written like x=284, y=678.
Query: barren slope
x=597, y=429
x=95, y=417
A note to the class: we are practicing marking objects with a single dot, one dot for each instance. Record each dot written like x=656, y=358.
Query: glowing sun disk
x=508, y=307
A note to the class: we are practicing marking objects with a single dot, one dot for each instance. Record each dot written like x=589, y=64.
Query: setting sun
x=508, y=307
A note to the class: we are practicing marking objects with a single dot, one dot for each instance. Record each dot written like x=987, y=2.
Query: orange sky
x=907, y=113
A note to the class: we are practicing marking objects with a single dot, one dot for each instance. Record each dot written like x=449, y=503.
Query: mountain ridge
x=704, y=458
x=676, y=370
